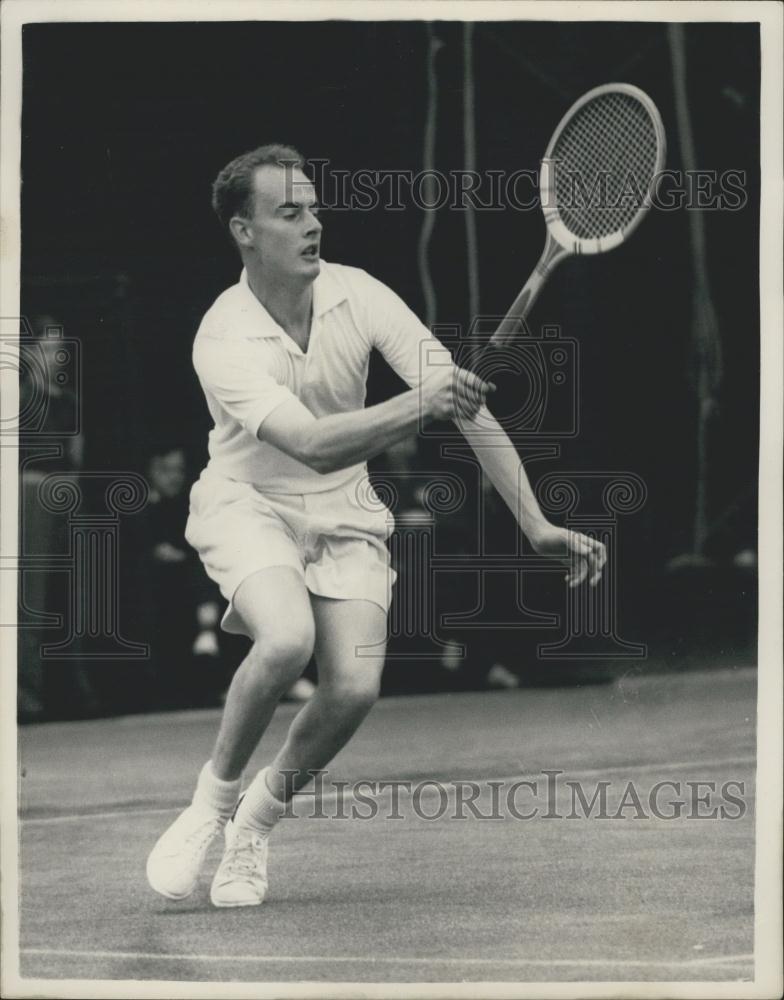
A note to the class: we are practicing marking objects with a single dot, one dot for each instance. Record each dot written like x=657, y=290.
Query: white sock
x=215, y=794
x=259, y=809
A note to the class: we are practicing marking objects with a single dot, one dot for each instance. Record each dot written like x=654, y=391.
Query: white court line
x=346, y=795
x=690, y=963
x=113, y=814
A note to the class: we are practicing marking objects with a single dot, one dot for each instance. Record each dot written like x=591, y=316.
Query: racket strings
x=606, y=157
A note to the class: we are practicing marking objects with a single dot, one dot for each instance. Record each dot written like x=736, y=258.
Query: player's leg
x=350, y=646
x=275, y=608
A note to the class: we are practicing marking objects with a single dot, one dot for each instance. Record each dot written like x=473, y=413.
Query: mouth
x=311, y=251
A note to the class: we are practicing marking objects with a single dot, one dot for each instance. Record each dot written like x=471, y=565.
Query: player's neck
x=288, y=303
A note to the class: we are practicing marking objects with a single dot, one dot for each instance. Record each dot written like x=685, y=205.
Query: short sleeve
x=237, y=375
x=401, y=337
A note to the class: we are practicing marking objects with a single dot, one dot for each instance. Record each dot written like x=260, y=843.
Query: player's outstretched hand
x=586, y=556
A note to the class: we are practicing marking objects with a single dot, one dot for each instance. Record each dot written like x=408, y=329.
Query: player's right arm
x=341, y=440
x=238, y=376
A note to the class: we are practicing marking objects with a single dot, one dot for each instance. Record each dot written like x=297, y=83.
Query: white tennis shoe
x=175, y=862
x=241, y=878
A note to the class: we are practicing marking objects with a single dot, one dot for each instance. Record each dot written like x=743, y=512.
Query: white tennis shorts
x=336, y=540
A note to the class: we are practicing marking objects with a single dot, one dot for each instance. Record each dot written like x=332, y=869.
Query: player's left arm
x=505, y=470
x=415, y=353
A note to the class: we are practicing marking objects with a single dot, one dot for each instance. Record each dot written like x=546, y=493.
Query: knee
x=356, y=693
x=280, y=659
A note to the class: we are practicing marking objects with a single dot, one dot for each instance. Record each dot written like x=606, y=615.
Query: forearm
x=340, y=440
x=505, y=470
x=344, y=439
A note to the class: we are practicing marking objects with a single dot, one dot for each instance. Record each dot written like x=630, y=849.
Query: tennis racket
x=596, y=182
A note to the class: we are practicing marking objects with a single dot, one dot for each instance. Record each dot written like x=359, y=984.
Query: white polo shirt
x=248, y=366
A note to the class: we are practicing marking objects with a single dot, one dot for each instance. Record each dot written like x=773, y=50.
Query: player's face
x=284, y=229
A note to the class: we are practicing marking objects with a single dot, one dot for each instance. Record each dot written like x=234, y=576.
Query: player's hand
x=585, y=555
x=455, y=393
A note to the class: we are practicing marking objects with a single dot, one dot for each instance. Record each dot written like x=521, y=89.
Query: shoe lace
x=245, y=857
x=203, y=835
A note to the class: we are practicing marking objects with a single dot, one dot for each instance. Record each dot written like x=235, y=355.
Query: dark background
x=125, y=126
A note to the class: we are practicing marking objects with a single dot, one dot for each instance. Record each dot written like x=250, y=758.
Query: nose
x=314, y=225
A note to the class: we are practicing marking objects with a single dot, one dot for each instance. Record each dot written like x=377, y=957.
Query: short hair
x=232, y=190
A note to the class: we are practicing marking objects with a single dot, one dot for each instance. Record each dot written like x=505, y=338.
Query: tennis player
x=283, y=517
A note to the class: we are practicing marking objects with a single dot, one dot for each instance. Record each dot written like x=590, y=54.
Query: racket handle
x=509, y=326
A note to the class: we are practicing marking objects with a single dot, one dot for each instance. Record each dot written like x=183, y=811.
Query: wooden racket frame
x=559, y=241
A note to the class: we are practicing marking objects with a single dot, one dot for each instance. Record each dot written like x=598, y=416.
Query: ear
x=240, y=230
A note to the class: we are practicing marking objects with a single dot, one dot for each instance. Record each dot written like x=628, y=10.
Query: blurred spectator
x=180, y=606
x=493, y=654
x=49, y=443
x=488, y=656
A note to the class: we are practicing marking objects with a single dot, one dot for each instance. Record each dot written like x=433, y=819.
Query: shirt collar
x=327, y=293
